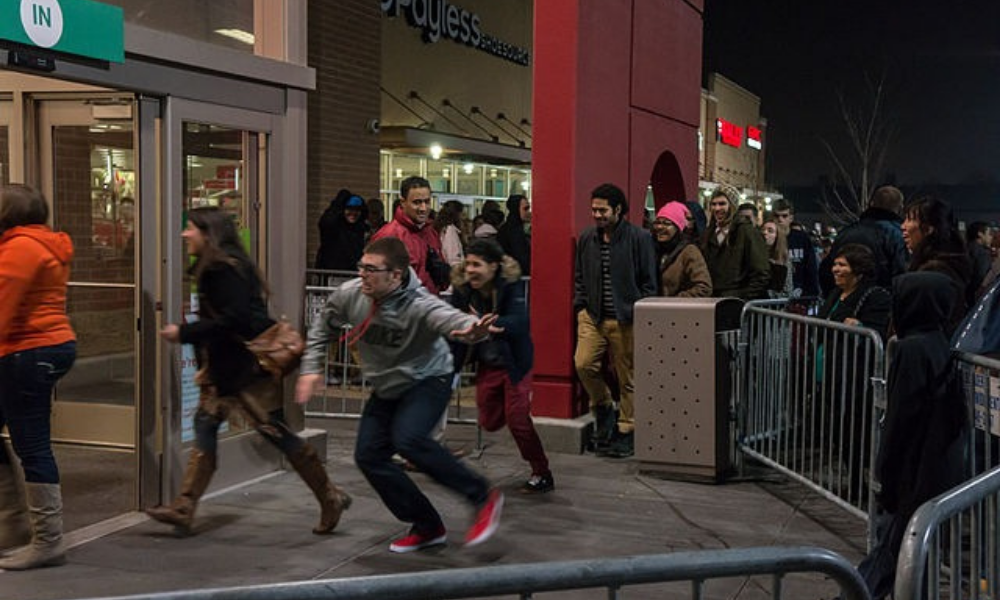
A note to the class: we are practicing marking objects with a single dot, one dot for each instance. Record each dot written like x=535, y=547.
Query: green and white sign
x=79, y=27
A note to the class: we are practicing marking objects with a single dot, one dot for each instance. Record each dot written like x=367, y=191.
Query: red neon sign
x=753, y=137
x=730, y=134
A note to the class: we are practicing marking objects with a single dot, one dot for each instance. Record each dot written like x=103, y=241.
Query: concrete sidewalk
x=260, y=532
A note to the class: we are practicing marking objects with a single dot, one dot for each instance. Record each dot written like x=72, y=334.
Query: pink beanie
x=676, y=213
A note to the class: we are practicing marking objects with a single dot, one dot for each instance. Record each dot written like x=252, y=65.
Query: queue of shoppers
x=411, y=343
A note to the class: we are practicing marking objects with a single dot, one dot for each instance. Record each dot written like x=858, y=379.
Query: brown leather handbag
x=278, y=349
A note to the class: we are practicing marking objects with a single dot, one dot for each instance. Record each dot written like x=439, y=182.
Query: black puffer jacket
x=512, y=237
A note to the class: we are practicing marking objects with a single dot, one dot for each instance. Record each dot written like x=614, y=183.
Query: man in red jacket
x=411, y=224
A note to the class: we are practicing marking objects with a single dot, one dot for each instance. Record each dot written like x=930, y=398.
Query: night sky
x=942, y=63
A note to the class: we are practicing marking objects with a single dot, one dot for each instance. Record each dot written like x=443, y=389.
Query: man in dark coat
x=343, y=229
x=920, y=455
x=514, y=235
x=615, y=267
x=879, y=229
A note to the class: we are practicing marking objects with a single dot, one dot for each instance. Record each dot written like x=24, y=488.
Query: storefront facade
x=732, y=142
x=191, y=112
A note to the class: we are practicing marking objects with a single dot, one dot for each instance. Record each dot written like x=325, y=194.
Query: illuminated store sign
x=753, y=137
x=730, y=134
x=439, y=18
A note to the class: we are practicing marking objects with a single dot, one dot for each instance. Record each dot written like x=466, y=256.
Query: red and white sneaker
x=414, y=541
x=487, y=520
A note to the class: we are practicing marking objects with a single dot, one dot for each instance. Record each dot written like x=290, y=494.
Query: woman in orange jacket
x=37, y=347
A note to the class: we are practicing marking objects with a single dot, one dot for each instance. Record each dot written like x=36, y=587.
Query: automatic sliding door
x=89, y=173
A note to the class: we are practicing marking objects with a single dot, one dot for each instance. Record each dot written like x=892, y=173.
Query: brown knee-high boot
x=333, y=501
x=13, y=509
x=46, y=548
x=180, y=512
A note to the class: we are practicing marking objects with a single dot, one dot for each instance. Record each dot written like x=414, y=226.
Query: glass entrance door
x=88, y=171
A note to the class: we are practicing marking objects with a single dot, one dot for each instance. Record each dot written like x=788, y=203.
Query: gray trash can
x=684, y=350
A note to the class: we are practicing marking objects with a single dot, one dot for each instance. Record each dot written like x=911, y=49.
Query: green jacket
x=738, y=266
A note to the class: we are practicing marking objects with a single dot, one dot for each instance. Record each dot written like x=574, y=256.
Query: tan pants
x=592, y=341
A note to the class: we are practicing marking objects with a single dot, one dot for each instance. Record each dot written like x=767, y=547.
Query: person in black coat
x=514, y=235
x=343, y=231
x=490, y=282
x=921, y=451
x=232, y=311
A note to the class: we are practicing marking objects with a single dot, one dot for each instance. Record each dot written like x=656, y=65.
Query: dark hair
x=22, y=205
x=748, y=205
x=782, y=204
x=613, y=194
x=487, y=249
x=449, y=214
x=412, y=182
x=974, y=229
x=860, y=258
x=222, y=241
x=888, y=198
x=393, y=250
x=493, y=216
x=937, y=221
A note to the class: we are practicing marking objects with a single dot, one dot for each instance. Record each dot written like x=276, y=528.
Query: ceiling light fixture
x=237, y=34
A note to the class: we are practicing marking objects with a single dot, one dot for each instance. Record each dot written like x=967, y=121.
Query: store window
x=402, y=167
x=469, y=179
x=520, y=182
x=228, y=23
x=439, y=173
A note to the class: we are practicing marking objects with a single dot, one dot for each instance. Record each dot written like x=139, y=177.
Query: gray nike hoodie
x=404, y=340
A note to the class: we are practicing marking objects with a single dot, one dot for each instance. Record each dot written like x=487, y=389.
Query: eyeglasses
x=369, y=269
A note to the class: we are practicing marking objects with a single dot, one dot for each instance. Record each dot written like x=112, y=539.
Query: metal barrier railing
x=809, y=396
x=346, y=388
x=950, y=549
x=527, y=579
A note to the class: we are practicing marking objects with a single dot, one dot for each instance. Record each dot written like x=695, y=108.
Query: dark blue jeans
x=26, y=382
x=404, y=425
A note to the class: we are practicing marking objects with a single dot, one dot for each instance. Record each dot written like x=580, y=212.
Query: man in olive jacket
x=615, y=267
x=735, y=252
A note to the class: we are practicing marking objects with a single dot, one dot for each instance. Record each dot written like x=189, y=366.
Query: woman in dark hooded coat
x=343, y=231
x=920, y=455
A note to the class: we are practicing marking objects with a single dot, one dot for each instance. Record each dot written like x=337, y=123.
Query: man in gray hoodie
x=398, y=327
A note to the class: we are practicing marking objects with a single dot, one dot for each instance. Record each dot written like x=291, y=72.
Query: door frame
x=246, y=458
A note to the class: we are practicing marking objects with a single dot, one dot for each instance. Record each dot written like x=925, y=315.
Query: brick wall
x=345, y=49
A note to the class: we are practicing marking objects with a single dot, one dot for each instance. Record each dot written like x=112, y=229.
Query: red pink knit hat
x=676, y=213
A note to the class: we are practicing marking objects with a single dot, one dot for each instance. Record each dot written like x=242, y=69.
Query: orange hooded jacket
x=34, y=271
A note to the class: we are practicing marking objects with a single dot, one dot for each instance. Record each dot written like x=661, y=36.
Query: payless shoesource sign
x=78, y=27
x=442, y=19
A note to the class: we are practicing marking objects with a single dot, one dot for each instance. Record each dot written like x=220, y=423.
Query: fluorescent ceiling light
x=237, y=34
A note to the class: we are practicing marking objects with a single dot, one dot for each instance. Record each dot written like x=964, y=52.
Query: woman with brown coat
x=683, y=272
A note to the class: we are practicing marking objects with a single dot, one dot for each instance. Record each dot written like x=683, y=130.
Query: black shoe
x=623, y=446
x=539, y=484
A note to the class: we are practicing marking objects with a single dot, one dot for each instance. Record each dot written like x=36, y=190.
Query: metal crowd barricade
x=809, y=396
x=346, y=388
x=950, y=549
x=526, y=580
x=951, y=546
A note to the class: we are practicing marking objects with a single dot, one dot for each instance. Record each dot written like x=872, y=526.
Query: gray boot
x=13, y=510
x=46, y=548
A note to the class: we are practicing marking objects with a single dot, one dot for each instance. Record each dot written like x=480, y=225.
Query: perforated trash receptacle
x=683, y=385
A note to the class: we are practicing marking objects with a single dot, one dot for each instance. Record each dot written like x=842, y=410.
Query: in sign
x=754, y=137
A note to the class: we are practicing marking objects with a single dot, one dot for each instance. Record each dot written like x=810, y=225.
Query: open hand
x=478, y=331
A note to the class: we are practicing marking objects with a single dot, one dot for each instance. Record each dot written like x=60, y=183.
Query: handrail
x=921, y=529
x=525, y=579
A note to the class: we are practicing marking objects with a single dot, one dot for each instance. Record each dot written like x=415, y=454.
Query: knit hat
x=676, y=213
x=731, y=193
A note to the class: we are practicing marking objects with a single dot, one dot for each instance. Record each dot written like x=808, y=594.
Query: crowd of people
x=435, y=292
